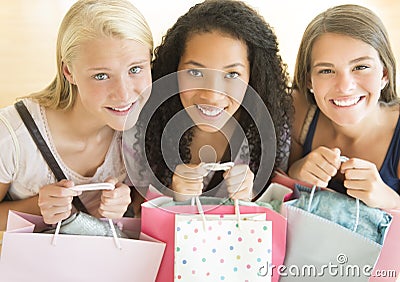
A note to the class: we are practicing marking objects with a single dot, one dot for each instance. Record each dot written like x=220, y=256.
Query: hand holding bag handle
x=44, y=149
x=52, y=162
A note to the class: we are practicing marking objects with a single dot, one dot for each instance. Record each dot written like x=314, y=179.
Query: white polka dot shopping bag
x=222, y=247
x=221, y=243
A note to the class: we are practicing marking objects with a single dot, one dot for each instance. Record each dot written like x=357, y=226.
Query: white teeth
x=122, y=109
x=209, y=110
x=346, y=102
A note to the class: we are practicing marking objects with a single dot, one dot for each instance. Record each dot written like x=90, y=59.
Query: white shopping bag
x=222, y=247
x=28, y=256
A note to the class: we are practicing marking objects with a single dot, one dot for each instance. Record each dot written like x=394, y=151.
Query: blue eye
x=232, y=75
x=195, y=73
x=100, y=76
x=135, y=70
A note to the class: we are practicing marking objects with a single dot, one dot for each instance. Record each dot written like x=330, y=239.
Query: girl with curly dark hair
x=214, y=72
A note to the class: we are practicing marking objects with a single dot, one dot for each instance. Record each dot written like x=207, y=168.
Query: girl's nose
x=345, y=82
x=211, y=96
x=123, y=89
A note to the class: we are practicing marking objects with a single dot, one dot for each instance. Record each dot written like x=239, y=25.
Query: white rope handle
x=114, y=233
x=311, y=197
x=237, y=211
x=203, y=216
x=345, y=159
x=55, y=236
x=201, y=212
x=357, y=207
x=357, y=214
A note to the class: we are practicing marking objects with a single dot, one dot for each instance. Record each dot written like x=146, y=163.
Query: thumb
x=112, y=180
x=191, y=172
x=337, y=151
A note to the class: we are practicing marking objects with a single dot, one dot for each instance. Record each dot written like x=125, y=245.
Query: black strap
x=44, y=149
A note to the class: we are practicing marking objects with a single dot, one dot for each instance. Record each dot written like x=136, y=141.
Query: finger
x=55, y=215
x=118, y=207
x=326, y=168
x=190, y=172
x=112, y=214
x=244, y=195
x=112, y=180
x=56, y=218
x=360, y=185
x=358, y=174
x=189, y=188
x=317, y=176
x=336, y=152
x=119, y=197
x=241, y=169
x=357, y=194
x=120, y=201
x=238, y=180
x=357, y=163
x=121, y=190
x=113, y=208
x=324, y=154
x=59, y=189
x=179, y=197
x=238, y=174
x=65, y=183
x=55, y=202
x=320, y=180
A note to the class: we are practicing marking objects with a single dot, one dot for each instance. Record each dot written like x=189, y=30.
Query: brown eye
x=196, y=73
x=361, y=67
x=232, y=75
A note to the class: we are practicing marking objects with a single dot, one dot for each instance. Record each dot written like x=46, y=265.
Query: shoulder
x=10, y=122
x=301, y=107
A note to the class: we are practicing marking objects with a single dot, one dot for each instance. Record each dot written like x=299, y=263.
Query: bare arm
x=301, y=107
x=29, y=205
x=320, y=164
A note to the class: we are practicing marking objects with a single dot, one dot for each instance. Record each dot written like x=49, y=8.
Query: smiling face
x=346, y=76
x=213, y=75
x=113, y=79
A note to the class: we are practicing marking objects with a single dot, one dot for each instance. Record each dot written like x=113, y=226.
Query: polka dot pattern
x=224, y=250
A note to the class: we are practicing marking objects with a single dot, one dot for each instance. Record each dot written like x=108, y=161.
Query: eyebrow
x=131, y=64
x=364, y=58
x=191, y=62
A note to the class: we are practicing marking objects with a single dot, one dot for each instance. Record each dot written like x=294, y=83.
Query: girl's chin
x=209, y=128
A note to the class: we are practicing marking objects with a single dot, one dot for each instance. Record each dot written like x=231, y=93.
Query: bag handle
x=196, y=201
x=314, y=187
x=44, y=149
x=357, y=206
x=110, y=222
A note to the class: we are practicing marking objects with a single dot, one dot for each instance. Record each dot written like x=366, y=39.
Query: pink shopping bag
x=159, y=223
x=28, y=256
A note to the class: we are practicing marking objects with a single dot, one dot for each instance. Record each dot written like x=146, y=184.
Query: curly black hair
x=268, y=77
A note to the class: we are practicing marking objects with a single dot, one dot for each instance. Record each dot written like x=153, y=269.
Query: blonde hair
x=357, y=22
x=86, y=20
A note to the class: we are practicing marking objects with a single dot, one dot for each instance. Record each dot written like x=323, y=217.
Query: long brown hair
x=357, y=22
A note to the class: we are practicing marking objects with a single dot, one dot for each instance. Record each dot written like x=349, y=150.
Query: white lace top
x=22, y=165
